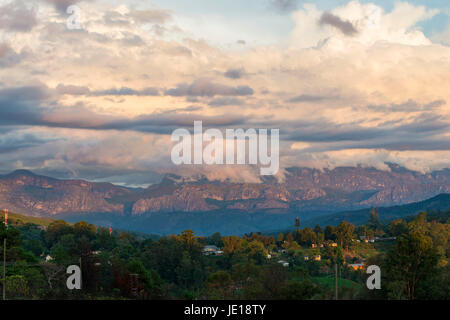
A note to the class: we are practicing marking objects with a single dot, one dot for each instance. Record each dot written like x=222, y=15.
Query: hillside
x=177, y=203
x=385, y=214
x=18, y=219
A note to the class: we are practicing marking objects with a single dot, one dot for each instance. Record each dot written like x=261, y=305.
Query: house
x=48, y=258
x=269, y=256
x=356, y=266
x=306, y=258
x=333, y=244
x=313, y=245
x=317, y=257
x=366, y=239
x=211, y=250
x=284, y=263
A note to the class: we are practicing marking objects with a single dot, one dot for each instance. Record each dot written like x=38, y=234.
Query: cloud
x=408, y=106
x=284, y=6
x=310, y=98
x=62, y=5
x=234, y=73
x=334, y=96
x=13, y=141
x=123, y=91
x=17, y=16
x=207, y=88
x=225, y=101
x=9, y=57
x=150, y=16
x=36, y=106
x=346, y=27
x=359, y=23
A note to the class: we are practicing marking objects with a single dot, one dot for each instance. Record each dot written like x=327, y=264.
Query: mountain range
x=177, y=202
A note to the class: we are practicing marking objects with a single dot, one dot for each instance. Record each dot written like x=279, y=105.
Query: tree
x=231, y=244
x=344, y=234
x=329, y=233
x=272, y=278
x=215, y=239
x=374, y=222
x=318, y=229
x=289, y=238
x=411, y=262
x=255, y=250
x=188, y=238
x=295, y=290
x=280, y=239
x=149, y=279
x=219, y=285
x=397, y=227
x=56, y=230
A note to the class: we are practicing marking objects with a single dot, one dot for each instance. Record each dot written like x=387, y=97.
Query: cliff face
x=25, y=192
x=303, y=189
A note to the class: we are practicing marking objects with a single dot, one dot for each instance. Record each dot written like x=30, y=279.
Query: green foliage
x=296, y=265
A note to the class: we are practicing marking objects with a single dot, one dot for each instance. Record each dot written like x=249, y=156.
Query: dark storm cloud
x=12, y=142
x=234, y=73
x=284, y=6
x=37, y=106
x=346, y=27
x=208, y=88
x=17, y=16
x=62, y=5
x=422, y=133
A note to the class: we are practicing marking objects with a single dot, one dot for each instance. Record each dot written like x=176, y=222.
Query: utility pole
x=335, y=282
x=4, y=256
x=4, y=268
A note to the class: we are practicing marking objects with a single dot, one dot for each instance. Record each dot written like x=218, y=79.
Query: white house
x=211, y=250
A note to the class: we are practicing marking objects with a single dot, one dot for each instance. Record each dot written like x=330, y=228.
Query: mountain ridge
x=304, y=190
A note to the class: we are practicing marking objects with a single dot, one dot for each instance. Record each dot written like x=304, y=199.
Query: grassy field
x=18, y=219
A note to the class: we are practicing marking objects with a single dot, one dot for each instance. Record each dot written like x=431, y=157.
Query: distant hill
x=178, y=203
x=19, y=219
x=385, y=214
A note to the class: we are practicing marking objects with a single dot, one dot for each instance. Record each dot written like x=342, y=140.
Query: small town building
x=356, y=266
x=283, y=263
x=211, y=250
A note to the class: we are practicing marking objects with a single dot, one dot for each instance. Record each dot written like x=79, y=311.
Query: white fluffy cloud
x=340, y=86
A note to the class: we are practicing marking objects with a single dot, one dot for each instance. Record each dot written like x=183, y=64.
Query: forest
x=413, y=256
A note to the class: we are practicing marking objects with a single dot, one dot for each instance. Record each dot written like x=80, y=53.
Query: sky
x=347, y=83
